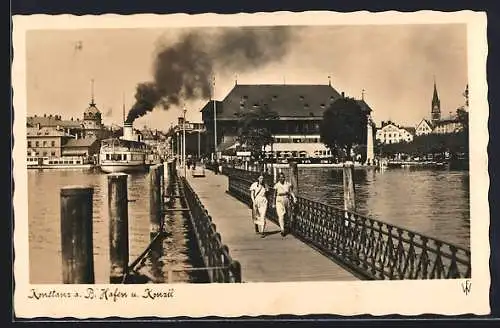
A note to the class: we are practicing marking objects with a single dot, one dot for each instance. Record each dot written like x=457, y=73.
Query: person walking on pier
x=283, y=193
x=259, y=204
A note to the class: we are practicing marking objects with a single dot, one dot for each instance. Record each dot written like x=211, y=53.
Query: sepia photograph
x=273, y=160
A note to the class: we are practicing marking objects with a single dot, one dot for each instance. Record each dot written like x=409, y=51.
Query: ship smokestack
x=128, y=131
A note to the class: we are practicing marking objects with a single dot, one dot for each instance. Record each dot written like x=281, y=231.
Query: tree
x=343, y=126
x=254, y=128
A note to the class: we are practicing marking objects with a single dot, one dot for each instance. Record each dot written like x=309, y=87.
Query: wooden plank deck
x=269, y=259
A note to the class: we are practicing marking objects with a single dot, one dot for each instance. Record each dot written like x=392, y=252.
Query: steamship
x=126, y=154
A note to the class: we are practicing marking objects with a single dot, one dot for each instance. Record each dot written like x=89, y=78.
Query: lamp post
x=178, y=145
x=184, y=140
x=199, y=150
x=215, y=119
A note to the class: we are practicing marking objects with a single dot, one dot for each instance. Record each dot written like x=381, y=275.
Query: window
x=53, y=153
x=37, y=144
x=44, y=153
x=44, y=143
x=53, y=143
x=29, y=143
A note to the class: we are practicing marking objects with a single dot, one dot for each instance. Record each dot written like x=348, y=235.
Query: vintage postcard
x=250, y=164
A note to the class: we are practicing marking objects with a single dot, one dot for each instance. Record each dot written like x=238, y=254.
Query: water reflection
x=435, y=203
x=44, y=224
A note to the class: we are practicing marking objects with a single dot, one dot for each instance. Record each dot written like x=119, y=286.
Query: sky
x=395, y=65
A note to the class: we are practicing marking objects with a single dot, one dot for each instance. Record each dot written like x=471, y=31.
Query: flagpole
x=215, y=118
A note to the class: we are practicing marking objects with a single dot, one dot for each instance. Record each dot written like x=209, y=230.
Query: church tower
x=92, y=120
x=436, y=105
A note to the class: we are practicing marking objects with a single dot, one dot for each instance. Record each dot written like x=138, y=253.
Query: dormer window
x=274, y=98
x=322, y=105
x=306, y=105
x=301, y=98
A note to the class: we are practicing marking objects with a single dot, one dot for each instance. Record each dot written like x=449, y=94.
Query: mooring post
x=349, y=192
x=118, y=226
x=161, y=176
x=166, y=175
x=154, y=200
x=76, y=235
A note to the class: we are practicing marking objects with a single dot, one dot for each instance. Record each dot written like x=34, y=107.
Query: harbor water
x=432, y=202
x=44, y=226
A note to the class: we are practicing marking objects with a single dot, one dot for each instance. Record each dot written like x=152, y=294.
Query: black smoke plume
x=183, y=70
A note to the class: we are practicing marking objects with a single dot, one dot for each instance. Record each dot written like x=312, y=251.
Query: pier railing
x=369, y=247
x=219, y=264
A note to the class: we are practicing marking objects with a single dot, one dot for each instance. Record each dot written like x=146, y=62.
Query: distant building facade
x=423, y=128
x=86, y=147
x=390, y=133
x=45, y=142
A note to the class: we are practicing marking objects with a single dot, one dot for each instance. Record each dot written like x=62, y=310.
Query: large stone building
x=296, y=132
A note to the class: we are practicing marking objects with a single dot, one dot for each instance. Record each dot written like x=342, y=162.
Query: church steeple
x=436, y=105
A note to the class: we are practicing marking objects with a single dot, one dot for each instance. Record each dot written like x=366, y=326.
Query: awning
x=75, y=152
x=229, y=143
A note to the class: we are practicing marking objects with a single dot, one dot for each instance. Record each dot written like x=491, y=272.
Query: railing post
x=235, y=268
x=76, y=235
x=349, y=193
x=118, y=226
x=154, y=200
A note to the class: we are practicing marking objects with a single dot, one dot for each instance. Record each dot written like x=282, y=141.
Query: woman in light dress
x=283, y=193
x=259, y=204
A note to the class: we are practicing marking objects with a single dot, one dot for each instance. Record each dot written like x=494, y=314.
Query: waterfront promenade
x=269, y=259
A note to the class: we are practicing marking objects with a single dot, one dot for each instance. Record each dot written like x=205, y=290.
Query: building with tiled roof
x=45, y=141
x=81, y=147
x=296, y=130
x=390, y=133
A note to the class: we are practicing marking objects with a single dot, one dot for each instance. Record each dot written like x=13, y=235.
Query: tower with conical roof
x=92, y=119
x=436, y=105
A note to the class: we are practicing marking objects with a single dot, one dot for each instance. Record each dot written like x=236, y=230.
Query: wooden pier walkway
x=269, y=259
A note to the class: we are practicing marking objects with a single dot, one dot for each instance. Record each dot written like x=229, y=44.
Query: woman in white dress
x=259, y=204
x=283, y=192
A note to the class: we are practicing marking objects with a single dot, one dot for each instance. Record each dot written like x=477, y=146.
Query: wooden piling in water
x=76, y=235
x=154, y=200
x=294, y=177
x=118, y=226
x=349, y=191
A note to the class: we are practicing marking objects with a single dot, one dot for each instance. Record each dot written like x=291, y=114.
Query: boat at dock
x=120, y=155
x=417, y=164
x=70, y=162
